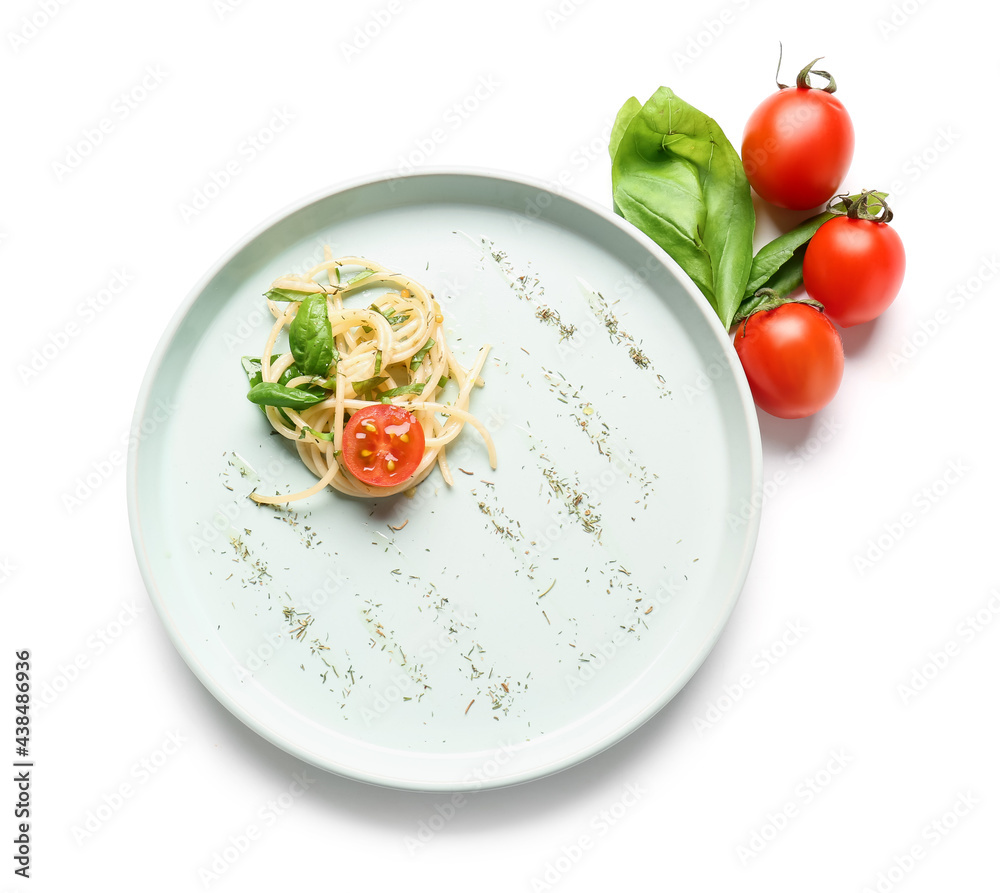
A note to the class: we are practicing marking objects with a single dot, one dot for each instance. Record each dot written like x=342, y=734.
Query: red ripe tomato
x=798, y=145
x=793, y=359
x=383, y=444
x=854, y=268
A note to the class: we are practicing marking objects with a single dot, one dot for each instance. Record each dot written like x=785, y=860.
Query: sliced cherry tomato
x=793, y=359
x=798, y=144
x=854, y=268
x=383, y=444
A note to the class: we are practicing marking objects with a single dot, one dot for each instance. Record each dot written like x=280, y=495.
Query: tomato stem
x=777, y=73
x=802, y=79
x=859, y=207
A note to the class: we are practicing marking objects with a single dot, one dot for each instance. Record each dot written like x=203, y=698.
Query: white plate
x=443, y=613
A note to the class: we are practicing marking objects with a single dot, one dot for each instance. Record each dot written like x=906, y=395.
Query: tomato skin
x=395, y=446
x=797, y=147
x=793, y=359
x=854, y=268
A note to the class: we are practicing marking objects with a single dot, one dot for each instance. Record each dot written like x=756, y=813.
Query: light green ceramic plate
x=505, y=627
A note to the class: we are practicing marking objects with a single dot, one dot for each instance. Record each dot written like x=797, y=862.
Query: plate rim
x=752, y=526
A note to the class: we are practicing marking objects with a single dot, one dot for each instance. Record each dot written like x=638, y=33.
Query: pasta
x=386, y=349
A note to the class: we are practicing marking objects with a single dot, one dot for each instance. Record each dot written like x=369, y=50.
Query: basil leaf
x=253, y=369
x=364, y=274
x=255, y=375
x=677, y=178
x=267, y=393
x=390, y=317
x=310, y=337
x=625, y=115
x=415, y=388
x=368, y=385
x=783, y=255
x=288, y=294
x=418, y=357
x=788, y=276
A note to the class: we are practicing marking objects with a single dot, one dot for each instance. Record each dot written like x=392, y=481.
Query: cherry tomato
x=854, y=268
x=383, y=444
x=798, y=144
x=793, y=359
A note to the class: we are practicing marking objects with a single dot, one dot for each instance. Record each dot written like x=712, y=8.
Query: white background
x=738, y=745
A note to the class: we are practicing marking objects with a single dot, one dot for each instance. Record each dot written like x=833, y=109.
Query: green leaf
x=255, y=375
x=253, y=369
x=415, y=388
x=288, y=294
x=783, y=254
x=368, y=386
x=625, y=115
x=789, y=276
x=310, y=337
x=364, y=274
x=418, y=357
x=677, y=178
x=268, y=393
x=254, y=372
x=391, y=318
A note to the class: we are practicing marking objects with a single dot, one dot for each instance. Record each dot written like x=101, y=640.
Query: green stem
x=859, y=207
x=802, y=81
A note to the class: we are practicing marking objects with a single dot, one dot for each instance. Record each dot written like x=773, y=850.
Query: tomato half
x=383, y=444
x=854, y=268
x=793, y=359
x=797, y=147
